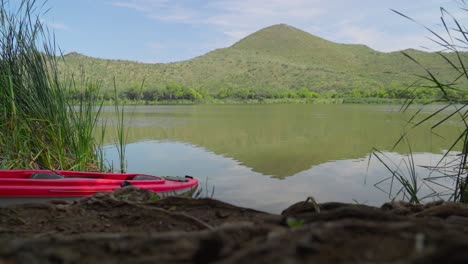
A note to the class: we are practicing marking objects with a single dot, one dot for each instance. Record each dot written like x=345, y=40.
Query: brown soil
x=124, y=227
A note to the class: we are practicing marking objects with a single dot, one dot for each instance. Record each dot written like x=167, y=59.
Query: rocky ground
x=127, y=227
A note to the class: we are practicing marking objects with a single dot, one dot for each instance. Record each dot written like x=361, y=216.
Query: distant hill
x=277, y=57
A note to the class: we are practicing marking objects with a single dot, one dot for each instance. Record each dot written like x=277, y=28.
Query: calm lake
x=269, y=156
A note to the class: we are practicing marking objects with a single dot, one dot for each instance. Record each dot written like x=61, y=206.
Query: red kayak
x=46, y=183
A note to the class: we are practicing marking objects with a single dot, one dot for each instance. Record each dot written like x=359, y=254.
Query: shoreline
x=371, y=101
x=125, y=227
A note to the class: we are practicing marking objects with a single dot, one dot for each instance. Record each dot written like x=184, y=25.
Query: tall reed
x=453, y=43
x=121, y=140
x=40, y=127
x=121, y=133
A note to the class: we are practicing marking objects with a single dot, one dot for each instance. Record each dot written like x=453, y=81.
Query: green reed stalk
x=122, y=130
x=453, y=42
x=39, y=125
x=121, y=133
x=403, y=173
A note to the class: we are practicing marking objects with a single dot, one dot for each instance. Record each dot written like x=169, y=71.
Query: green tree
x=304, y=93
x=191, y=94
x=174, y=91
x=150, y=94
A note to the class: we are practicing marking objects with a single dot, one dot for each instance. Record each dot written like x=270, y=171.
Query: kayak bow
x=46, y=183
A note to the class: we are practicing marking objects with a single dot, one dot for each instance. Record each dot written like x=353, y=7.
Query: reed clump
x=40, y=127
x=450, y=174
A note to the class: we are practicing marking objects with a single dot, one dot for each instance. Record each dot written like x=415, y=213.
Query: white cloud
x=269, y=9
x=142, y=5
x=383, y=41
x=55, y=25
x=365, y=22
x=240, y=18
x=236, y=34
x=161, y=10
x=228, y=15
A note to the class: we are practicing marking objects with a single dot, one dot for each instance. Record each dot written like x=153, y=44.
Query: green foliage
x=306, y=93
x=133, y=93
x=176, y=92
x=150, y=95
x=267, y=64
x=154, y=197
x=39, y=125
x=294, y=223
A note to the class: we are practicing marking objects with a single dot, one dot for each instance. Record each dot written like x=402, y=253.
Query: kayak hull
x=18, y=183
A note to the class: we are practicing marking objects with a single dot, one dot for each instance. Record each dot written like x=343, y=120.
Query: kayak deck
x=21, y=183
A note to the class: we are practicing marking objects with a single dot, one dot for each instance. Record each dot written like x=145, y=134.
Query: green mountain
x=275, y=58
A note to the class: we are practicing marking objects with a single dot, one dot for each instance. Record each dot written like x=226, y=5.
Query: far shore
x=274, y=101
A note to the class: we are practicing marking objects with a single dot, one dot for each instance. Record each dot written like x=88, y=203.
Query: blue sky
x=167, y=31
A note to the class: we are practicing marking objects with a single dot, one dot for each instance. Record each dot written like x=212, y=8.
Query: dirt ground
x=126, y=227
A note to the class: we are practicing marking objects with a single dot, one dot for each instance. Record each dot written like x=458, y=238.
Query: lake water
x=269, y=156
